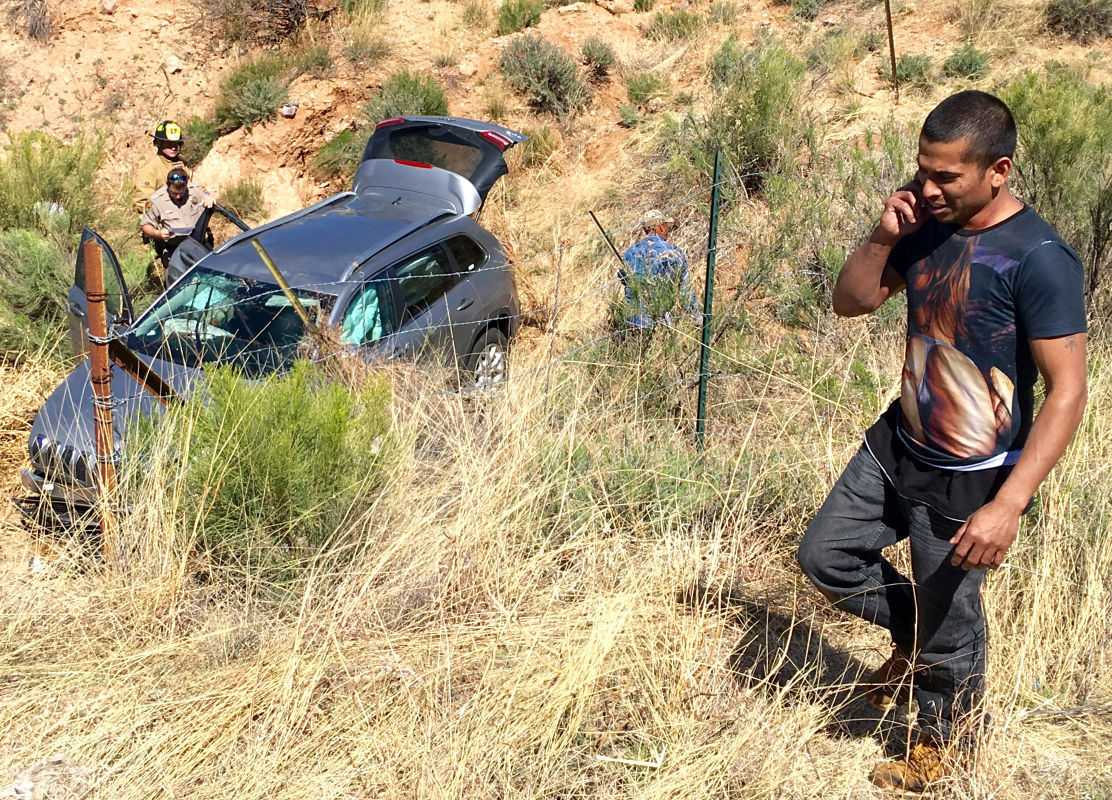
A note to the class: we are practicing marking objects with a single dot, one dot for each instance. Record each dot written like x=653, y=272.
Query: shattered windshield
x=214, y=318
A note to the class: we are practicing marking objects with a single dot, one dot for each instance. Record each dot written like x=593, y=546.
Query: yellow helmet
x=168, y=132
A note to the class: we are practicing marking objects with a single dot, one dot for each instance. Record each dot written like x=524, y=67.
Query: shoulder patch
x=148, y=205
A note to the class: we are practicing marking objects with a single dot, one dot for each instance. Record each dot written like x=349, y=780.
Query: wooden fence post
x=100, y=377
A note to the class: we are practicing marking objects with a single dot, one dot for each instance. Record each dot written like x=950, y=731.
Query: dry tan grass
x=487, y=637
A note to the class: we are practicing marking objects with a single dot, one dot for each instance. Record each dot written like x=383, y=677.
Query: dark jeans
x=938, y=617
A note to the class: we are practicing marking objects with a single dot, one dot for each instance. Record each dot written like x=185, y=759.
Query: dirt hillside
x=119, y=67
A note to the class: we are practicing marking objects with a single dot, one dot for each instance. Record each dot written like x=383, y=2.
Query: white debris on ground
x=55, y=778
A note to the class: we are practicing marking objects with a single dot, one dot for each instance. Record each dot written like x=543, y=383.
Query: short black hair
x=979, y=116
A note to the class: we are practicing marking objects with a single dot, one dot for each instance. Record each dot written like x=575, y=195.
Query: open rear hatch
x=471, y=149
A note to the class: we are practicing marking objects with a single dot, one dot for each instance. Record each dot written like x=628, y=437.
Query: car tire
x=487, y=366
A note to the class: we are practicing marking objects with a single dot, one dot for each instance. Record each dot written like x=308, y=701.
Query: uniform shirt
x=657, y=276
x=974, y=300
x=162, y=212
x=149, y=177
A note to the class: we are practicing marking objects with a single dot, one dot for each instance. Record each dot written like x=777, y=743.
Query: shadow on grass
x=787, y=655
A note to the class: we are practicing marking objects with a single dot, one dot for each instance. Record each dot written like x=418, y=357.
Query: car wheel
x=486, y=365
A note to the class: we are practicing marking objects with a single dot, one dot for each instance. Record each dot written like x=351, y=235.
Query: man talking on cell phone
x=995, y=299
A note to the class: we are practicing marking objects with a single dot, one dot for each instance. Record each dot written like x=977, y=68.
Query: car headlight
x=81, y=469
x=35, y=448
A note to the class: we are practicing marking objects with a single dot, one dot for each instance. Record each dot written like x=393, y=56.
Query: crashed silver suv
x=397, y=267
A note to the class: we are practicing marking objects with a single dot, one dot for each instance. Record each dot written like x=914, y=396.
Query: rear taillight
x=420, y=164
x=496, y=139
x=391, y=121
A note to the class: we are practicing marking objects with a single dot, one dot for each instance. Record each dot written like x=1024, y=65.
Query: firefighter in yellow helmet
x=168, y=140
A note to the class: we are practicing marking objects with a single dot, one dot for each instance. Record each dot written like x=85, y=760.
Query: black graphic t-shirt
x=974, y=299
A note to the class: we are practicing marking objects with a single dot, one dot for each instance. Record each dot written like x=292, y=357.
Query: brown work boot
x=891, y=682
x=927, y=761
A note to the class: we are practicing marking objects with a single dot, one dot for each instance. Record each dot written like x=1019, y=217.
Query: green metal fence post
x=708, y=301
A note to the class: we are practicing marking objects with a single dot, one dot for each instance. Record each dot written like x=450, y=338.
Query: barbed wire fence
x=603, y=291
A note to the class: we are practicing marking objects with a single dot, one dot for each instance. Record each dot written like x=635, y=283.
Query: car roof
x=320, y=246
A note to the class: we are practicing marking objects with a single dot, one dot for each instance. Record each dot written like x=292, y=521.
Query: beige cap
x=654, y=217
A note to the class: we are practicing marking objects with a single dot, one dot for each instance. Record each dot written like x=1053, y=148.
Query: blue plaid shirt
x=650, y=260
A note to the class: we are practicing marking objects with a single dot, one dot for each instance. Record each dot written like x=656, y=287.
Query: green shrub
x=673, y=25
x=200, y=135
x=642, y=6
x=539, y=147
x=1083, y=20
x=340, y=155
x=754, y=118
x=1064, y=163
x=807, y=9
x=728, y=63
x=366, y=49
x=644, y=86
x=274, y=470
x=314, y=61
x=35, y=275
x=833, y=50
x=723, y=12
x=444, y=59
x=251, y=94
x=406, y=94
x=968, y=62
x=599, y=57
x=546, y=74
x=515, y=15
x=871, y=41
x=914, y=70
x=47, y=185
x=245, y=199
x=629, y=115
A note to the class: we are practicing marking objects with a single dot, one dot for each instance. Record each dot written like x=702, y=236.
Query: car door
x=436, y=306
x=470, y=148
x=371, y=316
x=120, y=311
x=201, y=241
x=470, y=310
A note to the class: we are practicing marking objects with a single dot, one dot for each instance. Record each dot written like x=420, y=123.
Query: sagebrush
x=245, y=199
x=35, y=274
x=755, y=117
x=407, y=93
x=599, y=57
x=514, y=15
x=339, y=156
x=251, y=94
x=1083, y=20
x=545, y=74
x=200, y=135
x=46, y=185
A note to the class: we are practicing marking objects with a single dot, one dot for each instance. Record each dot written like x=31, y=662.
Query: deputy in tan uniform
x=168, y=139
x=172, y=213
